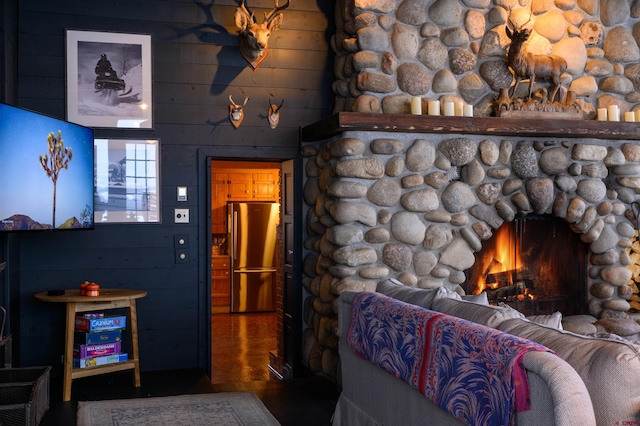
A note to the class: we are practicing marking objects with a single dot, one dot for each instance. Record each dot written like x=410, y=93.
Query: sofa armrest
x=344, y=311
x=557, y=391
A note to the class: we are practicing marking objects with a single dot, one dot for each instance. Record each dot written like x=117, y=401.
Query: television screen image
x=46, y=172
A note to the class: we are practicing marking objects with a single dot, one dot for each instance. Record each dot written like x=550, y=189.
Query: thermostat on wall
x=182, y=193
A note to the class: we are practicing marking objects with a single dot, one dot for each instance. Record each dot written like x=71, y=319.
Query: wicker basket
x=24, y=395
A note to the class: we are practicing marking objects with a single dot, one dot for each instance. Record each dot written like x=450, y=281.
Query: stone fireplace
x=414, y=197
x=536, y=264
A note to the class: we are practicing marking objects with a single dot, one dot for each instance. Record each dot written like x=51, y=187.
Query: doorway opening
x=245, y=316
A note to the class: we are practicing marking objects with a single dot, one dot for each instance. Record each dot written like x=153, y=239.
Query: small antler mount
x=236, y=112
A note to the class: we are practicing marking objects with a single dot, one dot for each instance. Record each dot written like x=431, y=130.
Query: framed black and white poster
x=109, y=79
x=127, y=181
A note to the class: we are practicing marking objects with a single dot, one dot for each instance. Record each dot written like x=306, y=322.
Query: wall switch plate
x=182, y=193
x=181, y=240
x=182, y=256
x=181, y=216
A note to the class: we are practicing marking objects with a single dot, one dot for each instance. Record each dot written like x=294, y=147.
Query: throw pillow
x=580, y=324
x=416, y=296
x=477, y=298
x=516, y=313
x=445, y=293
x=554, y=320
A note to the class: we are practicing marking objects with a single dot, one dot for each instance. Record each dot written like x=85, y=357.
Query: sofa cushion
x=487, y=315
x=609, y=367
x=415, y=296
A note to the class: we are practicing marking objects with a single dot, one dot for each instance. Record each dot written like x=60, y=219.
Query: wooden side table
x=108, y=299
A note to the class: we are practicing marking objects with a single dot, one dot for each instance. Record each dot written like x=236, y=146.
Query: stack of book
x=98, y=340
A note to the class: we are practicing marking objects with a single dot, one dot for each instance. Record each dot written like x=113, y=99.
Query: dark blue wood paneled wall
x=196, y=66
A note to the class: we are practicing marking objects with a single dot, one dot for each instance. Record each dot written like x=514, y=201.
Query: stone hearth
x=412, y=202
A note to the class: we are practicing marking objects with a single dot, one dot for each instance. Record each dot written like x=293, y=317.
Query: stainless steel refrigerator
x=252, y=244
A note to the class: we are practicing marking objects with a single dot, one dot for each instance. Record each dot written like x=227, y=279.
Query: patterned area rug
x=226, y=408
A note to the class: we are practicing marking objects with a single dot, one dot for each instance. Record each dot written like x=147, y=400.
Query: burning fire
x=504, y=257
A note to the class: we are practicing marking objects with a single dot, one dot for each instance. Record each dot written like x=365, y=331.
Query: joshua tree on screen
x=57, y=159
x=85, y=215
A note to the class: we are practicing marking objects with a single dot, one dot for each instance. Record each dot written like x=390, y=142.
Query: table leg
x=68, y=351
x=134, y=342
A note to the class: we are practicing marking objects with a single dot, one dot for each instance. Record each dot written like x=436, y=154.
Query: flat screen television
x=46, y=172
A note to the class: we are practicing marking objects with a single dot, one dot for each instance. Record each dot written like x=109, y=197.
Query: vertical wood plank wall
x=196, y=66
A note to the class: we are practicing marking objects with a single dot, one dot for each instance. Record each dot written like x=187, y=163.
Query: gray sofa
x=372, y=396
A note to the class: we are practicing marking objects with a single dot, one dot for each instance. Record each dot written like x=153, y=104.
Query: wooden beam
x=407, y=123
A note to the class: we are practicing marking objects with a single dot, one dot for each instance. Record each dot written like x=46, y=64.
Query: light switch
x=182, y=193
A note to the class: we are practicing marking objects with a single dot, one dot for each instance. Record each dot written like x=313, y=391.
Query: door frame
x=205, y=156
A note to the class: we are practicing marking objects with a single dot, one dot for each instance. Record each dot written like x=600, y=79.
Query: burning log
x=493, y=262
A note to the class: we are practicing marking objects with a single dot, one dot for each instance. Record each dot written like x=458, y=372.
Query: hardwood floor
x=240, y=358
x=240, y=346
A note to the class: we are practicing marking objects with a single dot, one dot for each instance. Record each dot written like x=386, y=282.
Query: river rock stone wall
x=387, y=51
x=416, y=207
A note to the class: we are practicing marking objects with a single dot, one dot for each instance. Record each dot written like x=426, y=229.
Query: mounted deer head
x=527, y=65
x=274, y=114
x=236, y=112
x=253, y=36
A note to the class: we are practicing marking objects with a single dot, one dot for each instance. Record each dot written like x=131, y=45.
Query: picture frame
x=108, y=79
x=127, y=181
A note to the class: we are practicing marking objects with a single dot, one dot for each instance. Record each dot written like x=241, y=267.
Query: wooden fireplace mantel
x=357, y=121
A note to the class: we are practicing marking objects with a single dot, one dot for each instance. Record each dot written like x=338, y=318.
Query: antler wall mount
x=273, y=115
x=254, y=37
x=236, y=112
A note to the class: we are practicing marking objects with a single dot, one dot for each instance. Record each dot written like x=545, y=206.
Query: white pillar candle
x=459, y=109
x=613, y=113
x=602, y=114
x=416, y=105
x=468, y=111
x=629, y=116
x=434, y=107
x=449, y=109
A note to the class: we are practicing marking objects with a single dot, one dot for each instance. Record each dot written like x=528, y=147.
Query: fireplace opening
x=536, y=264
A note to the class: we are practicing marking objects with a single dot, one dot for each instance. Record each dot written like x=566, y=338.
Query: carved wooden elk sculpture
x=236, y=112
x=527, y=65
x=274, y=114
x=254, y=37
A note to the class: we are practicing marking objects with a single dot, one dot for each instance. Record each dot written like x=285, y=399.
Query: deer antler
x=231, y=99
x=271, y=15
x=246, y=11
x=277, y=109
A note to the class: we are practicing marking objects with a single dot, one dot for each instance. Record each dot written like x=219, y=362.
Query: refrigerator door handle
x=235, y=234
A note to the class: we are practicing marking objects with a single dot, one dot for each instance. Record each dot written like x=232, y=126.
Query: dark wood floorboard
x=240, y=358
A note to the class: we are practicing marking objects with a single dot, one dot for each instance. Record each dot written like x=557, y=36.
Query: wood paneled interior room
x=279, y=202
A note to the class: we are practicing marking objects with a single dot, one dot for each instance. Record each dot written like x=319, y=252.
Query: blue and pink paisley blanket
x=472, y=371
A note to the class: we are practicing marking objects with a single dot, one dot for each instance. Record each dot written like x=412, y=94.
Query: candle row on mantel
x=451, y=109
x=612, y=113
